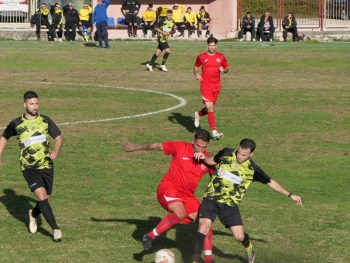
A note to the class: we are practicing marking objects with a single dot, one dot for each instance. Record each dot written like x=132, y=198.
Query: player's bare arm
x=132, y=147
x=196, y=73
x=58, y=144
x=162, y=32
x=3, y=142
x=279, y=188
x=224, y=70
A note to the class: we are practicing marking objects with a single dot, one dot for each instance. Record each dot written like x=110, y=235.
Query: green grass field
x=292, y=98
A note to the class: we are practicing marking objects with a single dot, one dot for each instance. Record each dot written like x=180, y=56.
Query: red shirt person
x=213, y=64
x=175, y=192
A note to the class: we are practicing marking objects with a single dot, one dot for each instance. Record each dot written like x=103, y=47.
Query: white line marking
x=182, y=102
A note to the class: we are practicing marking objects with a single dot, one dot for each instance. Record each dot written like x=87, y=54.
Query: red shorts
x=210, y=96
x=167, y=195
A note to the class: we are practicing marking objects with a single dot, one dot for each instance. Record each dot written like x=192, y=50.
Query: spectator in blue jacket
x=100, y=18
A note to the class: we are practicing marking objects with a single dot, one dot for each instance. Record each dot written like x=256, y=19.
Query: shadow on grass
x=156, y=64
x=184, y=238
x=18, y=206
x=185, y=121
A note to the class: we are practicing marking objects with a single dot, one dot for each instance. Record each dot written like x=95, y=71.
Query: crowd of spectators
x=265, y=29
x=189, y=20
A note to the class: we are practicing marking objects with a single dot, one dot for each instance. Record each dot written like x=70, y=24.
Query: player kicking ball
x=164, y=29
x=213, y=64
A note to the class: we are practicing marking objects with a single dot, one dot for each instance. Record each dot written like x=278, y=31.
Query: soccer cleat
x=163, y=68
x=33, y=227
x=241, y=40
x=196, y=119
x=146, y=242
x=150, y=68
x=250, y=253
x=57, y=234
x=216, y=135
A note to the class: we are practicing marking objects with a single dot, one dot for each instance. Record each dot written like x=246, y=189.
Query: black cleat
x=146, y=242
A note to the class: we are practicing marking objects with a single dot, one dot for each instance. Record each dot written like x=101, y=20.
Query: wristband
x=290, y=194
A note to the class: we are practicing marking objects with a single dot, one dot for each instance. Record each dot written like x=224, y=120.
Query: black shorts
x=163, y=45
x=86, y=23
x=130, y=18
x=39, y=178
x=228, y=215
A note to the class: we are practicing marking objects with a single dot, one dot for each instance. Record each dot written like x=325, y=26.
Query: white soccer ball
x=165, y=256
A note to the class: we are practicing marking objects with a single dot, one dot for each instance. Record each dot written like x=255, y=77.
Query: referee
x=32, y=130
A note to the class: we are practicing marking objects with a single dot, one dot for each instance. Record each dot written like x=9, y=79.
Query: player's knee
x=181, y=214
x=204, y=226
x=239, y=236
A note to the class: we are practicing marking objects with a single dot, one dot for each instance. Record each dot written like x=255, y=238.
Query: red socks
x=166, y=223
x=208, y=247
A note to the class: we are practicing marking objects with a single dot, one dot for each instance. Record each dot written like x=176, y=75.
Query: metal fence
x=17, y=11
x=315, y=14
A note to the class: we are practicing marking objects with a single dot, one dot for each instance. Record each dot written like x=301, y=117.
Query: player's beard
x=32, y=113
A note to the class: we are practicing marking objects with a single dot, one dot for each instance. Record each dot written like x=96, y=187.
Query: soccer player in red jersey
x=175, y=192
x=213, y=64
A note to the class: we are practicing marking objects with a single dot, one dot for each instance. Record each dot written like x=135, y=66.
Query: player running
x=32, y=130
x=213, y=63
x=175, y=192
x=234, y=172
x=164, y=29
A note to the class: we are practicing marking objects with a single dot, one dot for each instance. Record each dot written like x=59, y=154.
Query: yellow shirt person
x=85, y=12
x=178, y=13
x=190, y=17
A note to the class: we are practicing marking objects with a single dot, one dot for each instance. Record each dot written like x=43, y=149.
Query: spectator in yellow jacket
x=85, y=24
x=190, y=21
x=149, y=18
x=203, y=20
x=178, y=18
x=161, y=13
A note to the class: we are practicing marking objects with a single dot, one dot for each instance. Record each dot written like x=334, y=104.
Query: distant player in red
x=176, y=190
x=213, y=64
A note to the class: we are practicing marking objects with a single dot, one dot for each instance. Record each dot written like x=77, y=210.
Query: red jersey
x=184, y=171
x=210, y=69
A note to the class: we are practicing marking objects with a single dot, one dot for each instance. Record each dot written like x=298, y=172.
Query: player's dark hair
x=248, y=13
x=169, y=11
x=212, y=39
x=203, y=135
x=248, y=144
x=29, y=95
x=150, y=5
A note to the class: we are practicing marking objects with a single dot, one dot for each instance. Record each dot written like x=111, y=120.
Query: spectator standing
x=149, y=18
x=100, y=18
x=248, y=25
x=290, y=25
x=71, y=16
x=130, y=9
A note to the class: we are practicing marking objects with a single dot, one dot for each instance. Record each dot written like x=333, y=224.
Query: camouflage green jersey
x=232, y=179
x=166, y=26
x=33, y=140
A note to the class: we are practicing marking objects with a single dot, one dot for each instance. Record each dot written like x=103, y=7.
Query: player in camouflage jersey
x=234, y=172
x=32, y=130
x=164, y=29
